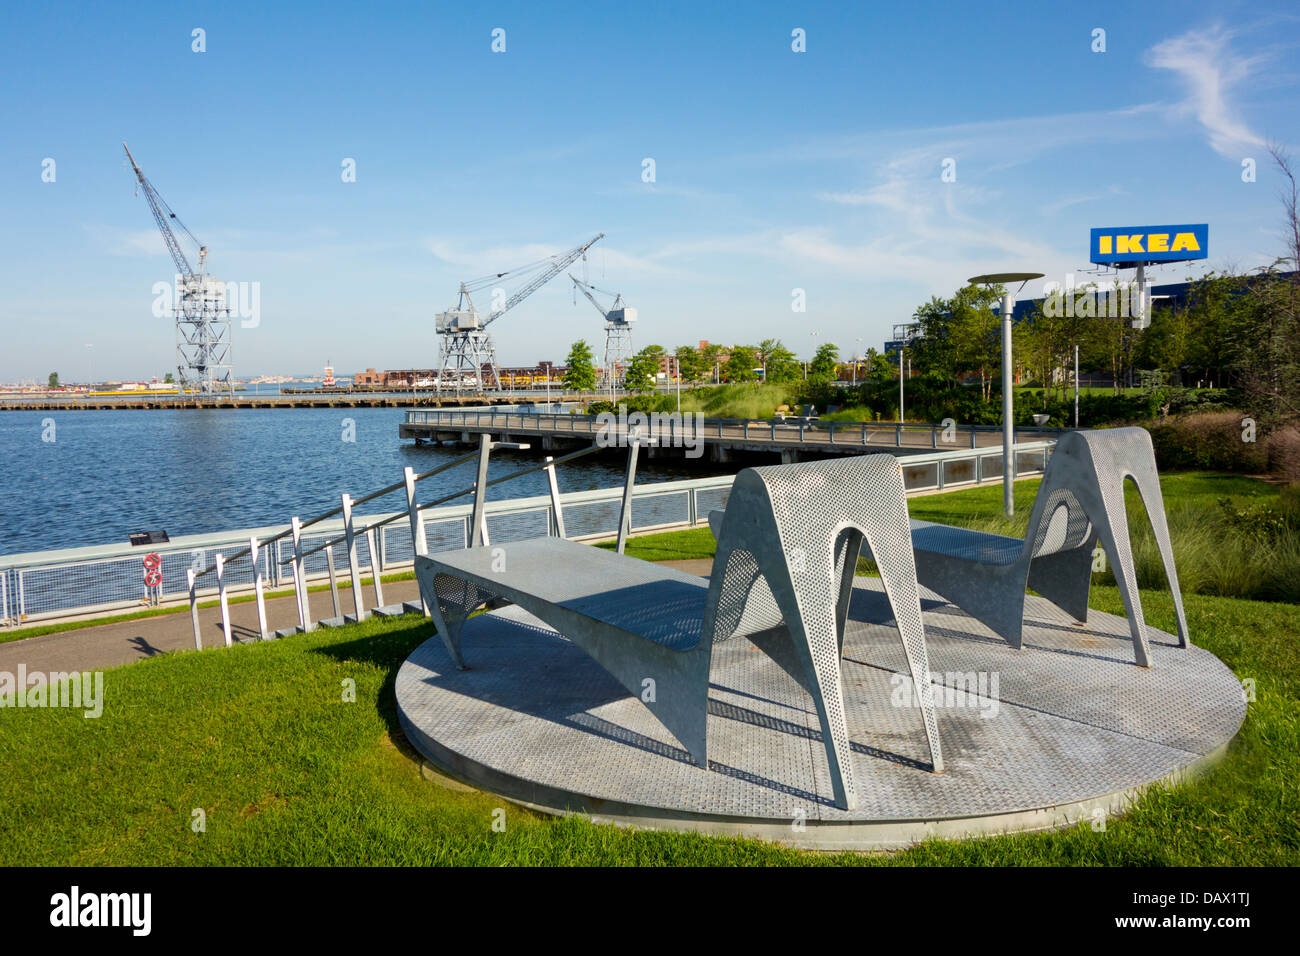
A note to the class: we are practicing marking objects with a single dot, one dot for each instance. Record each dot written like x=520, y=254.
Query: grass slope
x=287, y=772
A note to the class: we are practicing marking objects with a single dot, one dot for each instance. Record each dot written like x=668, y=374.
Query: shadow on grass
x=385, y=651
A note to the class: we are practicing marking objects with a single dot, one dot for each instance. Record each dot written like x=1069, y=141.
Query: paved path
x=109, y=645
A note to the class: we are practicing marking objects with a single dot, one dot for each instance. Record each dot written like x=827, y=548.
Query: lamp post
x=901, y=360
x=1076, y=386
x=1008, y=426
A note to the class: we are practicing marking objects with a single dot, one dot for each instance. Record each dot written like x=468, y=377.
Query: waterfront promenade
x=717, y=438
x=303, y=399
x=102, y=646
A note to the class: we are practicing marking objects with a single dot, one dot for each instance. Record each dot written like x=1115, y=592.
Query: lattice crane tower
x=618, y=328
x=466, y=353
x=199, y=304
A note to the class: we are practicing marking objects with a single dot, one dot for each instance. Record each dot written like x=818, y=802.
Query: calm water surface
x=108, y=473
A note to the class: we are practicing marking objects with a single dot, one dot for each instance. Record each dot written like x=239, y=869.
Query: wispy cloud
x=1210, y=69
x=126, y=242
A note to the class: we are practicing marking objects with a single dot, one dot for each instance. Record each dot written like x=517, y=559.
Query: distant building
x=904, y=334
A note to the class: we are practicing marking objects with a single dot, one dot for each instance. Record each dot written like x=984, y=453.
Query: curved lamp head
x=997, y=278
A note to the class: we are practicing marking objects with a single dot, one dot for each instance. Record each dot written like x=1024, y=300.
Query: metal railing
x=78, y=582
x=673, y=428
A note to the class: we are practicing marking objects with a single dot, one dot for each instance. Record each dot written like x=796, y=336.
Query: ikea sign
x=1134, y=244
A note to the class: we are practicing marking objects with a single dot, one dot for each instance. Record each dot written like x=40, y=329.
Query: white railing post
x=300, y=577
x=478, y=524
x=419, y=542
x=221, y=592
x=350, y=538
x=376, y=567
x=254, y=555
x=557, y=508
x=194, y=608
x=625, y=513
x=334, y=580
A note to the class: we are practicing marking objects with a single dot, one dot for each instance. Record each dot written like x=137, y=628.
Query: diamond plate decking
x=1072, y=726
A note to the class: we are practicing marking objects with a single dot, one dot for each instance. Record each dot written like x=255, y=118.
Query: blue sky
x=775, y=170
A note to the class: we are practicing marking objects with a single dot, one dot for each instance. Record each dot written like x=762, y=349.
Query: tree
x=167, y=379
x=643, y=369
x=778, y=362
x=960, y=336
x=580, y=374
x=822, y=366
x=977, y=334
x=1270, y=366
x=932, y=351
x=740, y=366
x=711, y=356
x=54, y=380
x=690, y=362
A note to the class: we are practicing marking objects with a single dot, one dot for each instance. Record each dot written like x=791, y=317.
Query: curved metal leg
x=1153, y=501
x=1112, y=532
x=898, y=571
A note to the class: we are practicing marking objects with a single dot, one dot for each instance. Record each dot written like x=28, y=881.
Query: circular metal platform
x=1067, y=728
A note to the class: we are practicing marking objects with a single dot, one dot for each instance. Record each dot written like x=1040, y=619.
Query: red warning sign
x=153, y=577
x=152, y=561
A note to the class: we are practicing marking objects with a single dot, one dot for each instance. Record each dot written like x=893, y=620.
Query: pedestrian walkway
x=125, y=642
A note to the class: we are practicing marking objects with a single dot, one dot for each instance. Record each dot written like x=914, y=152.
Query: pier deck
x=299, y=399
x=718, y=438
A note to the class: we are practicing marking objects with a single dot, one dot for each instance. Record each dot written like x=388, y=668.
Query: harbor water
x=76, y=478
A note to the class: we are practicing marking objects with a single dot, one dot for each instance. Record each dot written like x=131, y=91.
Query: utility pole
x=1076, y=386
x=900, y=386
x=1008, y=373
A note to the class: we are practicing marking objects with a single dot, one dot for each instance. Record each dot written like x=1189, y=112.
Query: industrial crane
x=202, y=314
x=618, y=328
x=467, y=349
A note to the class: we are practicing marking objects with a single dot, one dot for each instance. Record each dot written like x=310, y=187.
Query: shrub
x=1211, y=440
x=1284, y=453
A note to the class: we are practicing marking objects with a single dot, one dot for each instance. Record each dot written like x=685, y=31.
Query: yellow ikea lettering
x=1158, y=242
x=1103, y=245
x=1129, y=243
x=1186, y=241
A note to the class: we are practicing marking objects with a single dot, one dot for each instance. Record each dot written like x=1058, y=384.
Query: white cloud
x=126, y=242
x=1205, y=62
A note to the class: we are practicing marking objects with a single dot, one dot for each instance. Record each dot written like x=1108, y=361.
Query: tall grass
x=738, y=401
x=1243, y=544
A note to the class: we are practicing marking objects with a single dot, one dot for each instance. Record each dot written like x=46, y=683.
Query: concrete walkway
x=125, y=642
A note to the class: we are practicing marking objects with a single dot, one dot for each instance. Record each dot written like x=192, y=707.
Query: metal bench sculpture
x=791, y=532
x=1080, y=503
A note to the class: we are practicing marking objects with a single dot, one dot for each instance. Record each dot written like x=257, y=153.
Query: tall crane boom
x=558, y=265
x=590, y=298
x=467, y=355
x=618, y=329
x=618, y=313
x=157, y=205
x=199, y=302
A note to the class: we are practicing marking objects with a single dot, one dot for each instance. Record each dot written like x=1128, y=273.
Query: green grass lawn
x=259, y=737
x=1233, y=536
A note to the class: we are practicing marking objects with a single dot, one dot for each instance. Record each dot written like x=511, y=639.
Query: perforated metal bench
x=788, y=544
x=1080, y=503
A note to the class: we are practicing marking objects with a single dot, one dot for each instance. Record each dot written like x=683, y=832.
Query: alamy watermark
x=131, y=911
x=241, y=300
x=1108, y=299
x=82, y=690
x=660, y=429
x=951, y=689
